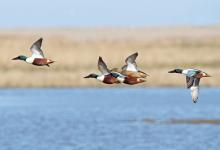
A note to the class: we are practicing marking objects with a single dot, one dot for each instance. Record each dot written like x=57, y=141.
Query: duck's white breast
x=30, y=60
x=101, y=78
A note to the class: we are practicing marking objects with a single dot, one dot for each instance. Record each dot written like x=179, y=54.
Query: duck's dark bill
x=16, y=58
x=172, y=71
x=207, y=75
x=91, y=76
x=87, y=76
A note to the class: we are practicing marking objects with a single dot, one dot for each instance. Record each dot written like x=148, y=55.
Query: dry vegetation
x=76, y=51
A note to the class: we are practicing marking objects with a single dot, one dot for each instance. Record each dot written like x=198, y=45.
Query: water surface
x=109, y=119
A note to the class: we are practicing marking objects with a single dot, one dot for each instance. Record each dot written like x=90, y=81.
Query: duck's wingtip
x=194, y=101
x=100, y=57
x=136, y=54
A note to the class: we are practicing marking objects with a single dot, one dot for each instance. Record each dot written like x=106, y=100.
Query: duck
x=37, y=58
x=193, y=77
x=105, y=76
x=129, y=73
x=130, y=69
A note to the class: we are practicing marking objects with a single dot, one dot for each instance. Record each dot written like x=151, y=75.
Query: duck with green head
x=193, y=77
x=106, y=76
x=37, y=58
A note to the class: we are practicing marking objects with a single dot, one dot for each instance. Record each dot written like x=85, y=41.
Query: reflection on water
x=109, y=119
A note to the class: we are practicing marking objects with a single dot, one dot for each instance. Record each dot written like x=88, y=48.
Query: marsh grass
x=76, y=51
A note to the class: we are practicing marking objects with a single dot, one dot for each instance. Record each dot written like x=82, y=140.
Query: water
x=108, y=119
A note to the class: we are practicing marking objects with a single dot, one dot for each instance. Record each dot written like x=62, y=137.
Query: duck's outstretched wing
x=130, y=63
x=194, y=93
x=131, y=59
x=195, y=90
x=196, y=81
x=189, y=82
x=103, y=67
x=36, y=49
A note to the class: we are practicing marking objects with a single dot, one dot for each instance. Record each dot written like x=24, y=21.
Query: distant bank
x=76, y=51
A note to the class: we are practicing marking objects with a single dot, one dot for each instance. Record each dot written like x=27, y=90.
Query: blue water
x=107, y=119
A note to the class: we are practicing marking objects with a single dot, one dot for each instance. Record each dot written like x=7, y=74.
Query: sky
x=101, y=13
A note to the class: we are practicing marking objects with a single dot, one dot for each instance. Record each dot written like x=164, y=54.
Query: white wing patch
x=35, y=55
x=131, y=67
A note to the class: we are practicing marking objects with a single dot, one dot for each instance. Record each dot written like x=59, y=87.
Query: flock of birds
x=128, y=74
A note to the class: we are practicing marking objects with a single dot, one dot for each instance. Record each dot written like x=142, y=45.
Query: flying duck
x=131, y=69
x=106, y=76
x=131, y=74
x=193, y=77
x=37, y=58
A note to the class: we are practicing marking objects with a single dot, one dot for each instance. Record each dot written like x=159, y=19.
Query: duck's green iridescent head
x=21, y=57
x=176, y=71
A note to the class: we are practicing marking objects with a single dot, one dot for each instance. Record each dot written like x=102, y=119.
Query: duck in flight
x=37, y=58
x=106, y=76
x=131, y=67
x=132, y=75
x=193, y=77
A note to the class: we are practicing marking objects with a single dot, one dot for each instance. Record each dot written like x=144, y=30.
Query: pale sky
x=86, y=13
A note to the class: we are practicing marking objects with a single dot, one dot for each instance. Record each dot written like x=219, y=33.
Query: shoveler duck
x=131, y=68
x=37, y=58
x=193, y=77
x=132, y=75
x=105, y=76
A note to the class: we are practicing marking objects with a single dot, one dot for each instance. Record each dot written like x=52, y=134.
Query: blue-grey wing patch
x=193, y=72
x=117, y=74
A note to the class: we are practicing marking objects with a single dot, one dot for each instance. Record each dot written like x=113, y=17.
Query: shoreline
x=76, y=52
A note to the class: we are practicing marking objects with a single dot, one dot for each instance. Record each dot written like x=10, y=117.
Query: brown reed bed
x=76, y=51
